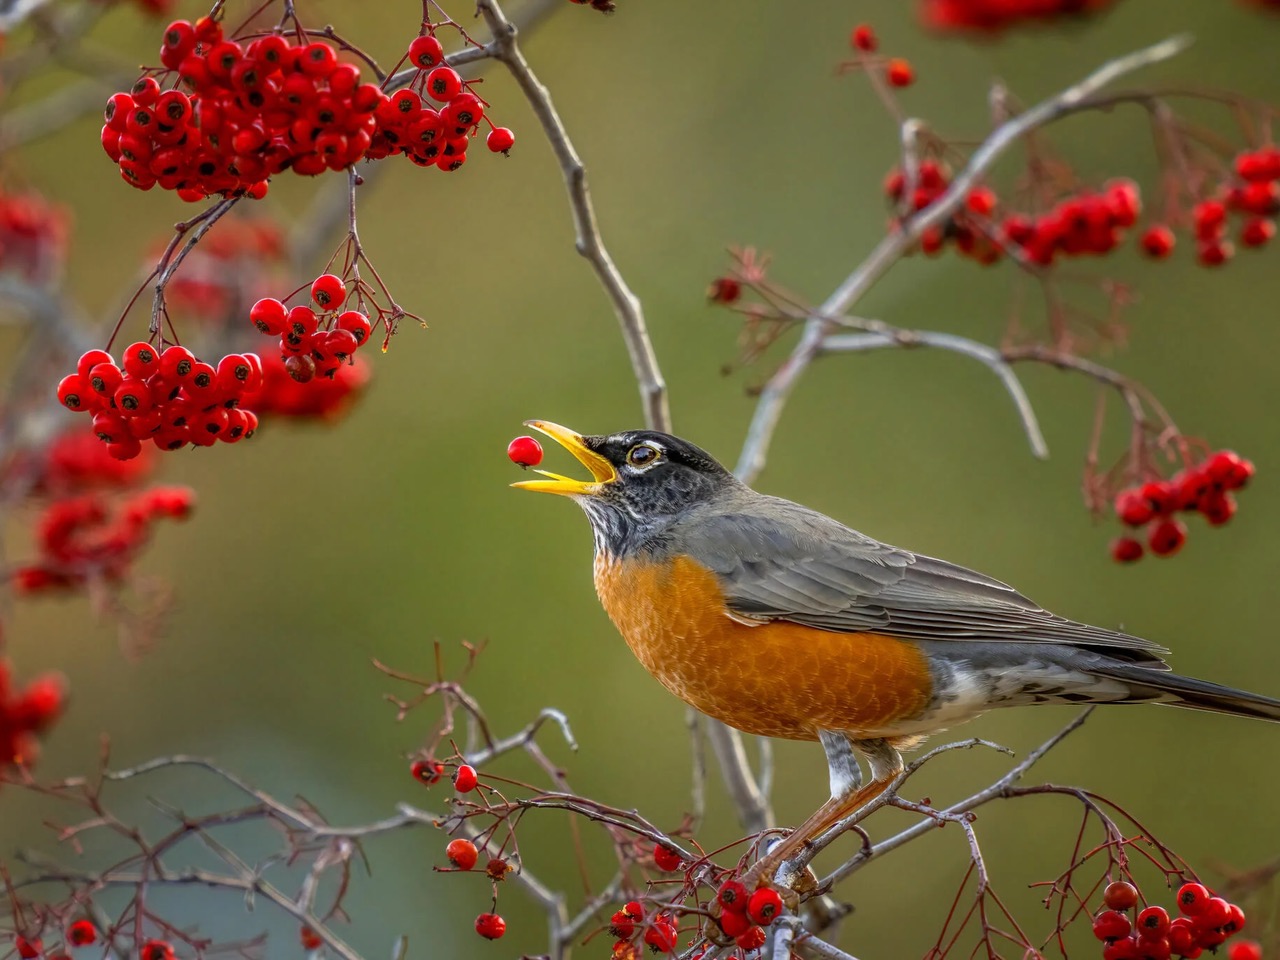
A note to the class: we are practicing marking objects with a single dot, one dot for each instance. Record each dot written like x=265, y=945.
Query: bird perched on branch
x=782, y=622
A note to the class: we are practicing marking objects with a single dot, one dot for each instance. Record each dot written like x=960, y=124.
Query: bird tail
x=1160, y=687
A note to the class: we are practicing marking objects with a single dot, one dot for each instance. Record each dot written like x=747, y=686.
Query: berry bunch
x=427, y=135
x=253, y=111
x=659, y=933
x=897, y=72
x=314, y=344
x=995, y=15
x=82, y=538
x=1205, y=923
x=166, y=396
x=1205, y=488
x=744, y=917
x=33, y=236
x=1253, y=195
x=27, y=713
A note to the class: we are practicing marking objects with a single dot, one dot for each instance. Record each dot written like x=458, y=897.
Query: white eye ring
x=643, y=455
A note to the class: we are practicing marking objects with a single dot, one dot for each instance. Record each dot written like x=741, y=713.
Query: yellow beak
x=602, y=471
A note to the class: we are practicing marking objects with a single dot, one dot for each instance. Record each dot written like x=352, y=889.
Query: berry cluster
x=27, y=713
x=82, y=538
x=995, y=15
x=1087, y=223
x=165, y=396
x=896, y=71
x=33, y=236
x=1205, y=488
x=1205, y=923
x=427, y=135
x=314, y=344
x=744, y=917
x=658, y=932
x=1253, y=196
x=252, y=112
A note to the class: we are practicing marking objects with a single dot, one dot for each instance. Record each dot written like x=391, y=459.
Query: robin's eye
x=642, y=454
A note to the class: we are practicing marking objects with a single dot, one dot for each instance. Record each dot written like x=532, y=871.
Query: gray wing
x=791, y=563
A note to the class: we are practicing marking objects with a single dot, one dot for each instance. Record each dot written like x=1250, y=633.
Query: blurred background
x=314, y=550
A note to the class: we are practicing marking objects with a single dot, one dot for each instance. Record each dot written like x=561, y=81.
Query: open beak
x=602, y=470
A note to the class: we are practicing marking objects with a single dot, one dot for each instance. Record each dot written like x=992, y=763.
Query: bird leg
x=847, y=796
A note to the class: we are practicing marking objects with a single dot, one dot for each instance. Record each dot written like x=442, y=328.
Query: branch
x=892, y=248
x=990, y=356
x=590, y=244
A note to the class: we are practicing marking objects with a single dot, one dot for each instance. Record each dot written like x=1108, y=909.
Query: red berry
x=140, y=360
x=1258, y=232
x=1162, y=496
x=490, y=926
x=981, y=200
x=1182, y=937
x=1235, y=919
x=82, y=933
x=328, y=291
x=1120, y=895
x=724, y=290
x=1167, y=537
x=525, y=451
x=464, y=781
x=1111, y=925
x=623, y=923
x=309, y=939
x=753, y=939
x=500, y=140
x=1214, y=253
x=1126, y=550
x=661, y=935
x=764, y=906
x=72, y=393
x=156, y=950
x=1245, y=950
x=666, y=858
x=176, y=363
x=443, y=84
x=733, y=896
x=1218, y=508
x=427, y=771
x=1133, y=508
x=104, y=378
x=462, y=853
x=1209, y=216
x=425, y=52
x=1125, y=949
x=28, y=949
x=1123, y=202
x=899, y=73
x=132, y=397
x=269, y=315
x=864, y=38
x=1157, y=242
x=1152, y=923
x=733, y=924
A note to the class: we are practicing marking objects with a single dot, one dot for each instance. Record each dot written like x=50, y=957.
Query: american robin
x=782, y=622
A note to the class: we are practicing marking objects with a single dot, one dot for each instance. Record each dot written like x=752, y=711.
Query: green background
x=702, y=125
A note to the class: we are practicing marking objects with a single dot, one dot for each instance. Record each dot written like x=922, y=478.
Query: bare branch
x=891, y=249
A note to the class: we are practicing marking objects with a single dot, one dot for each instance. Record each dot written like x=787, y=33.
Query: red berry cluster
x=994, y=15
x=1087, y=223
x=896, y=71
x=165, y=396
x=1253, y=195
x=314, y=344
x=33, y=236
x=323, y=398
x=75, y=460
x=1205, y=923
x=253, y=111
x=744, y=917
x=83, y=538
x=658, y=933
x=427, y=135
x=26, y=713
x=1205, y=488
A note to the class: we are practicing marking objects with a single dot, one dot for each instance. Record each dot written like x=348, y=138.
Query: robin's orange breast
x=776, y=679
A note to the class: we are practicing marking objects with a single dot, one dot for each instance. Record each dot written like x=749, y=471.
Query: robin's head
x=641, y=480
